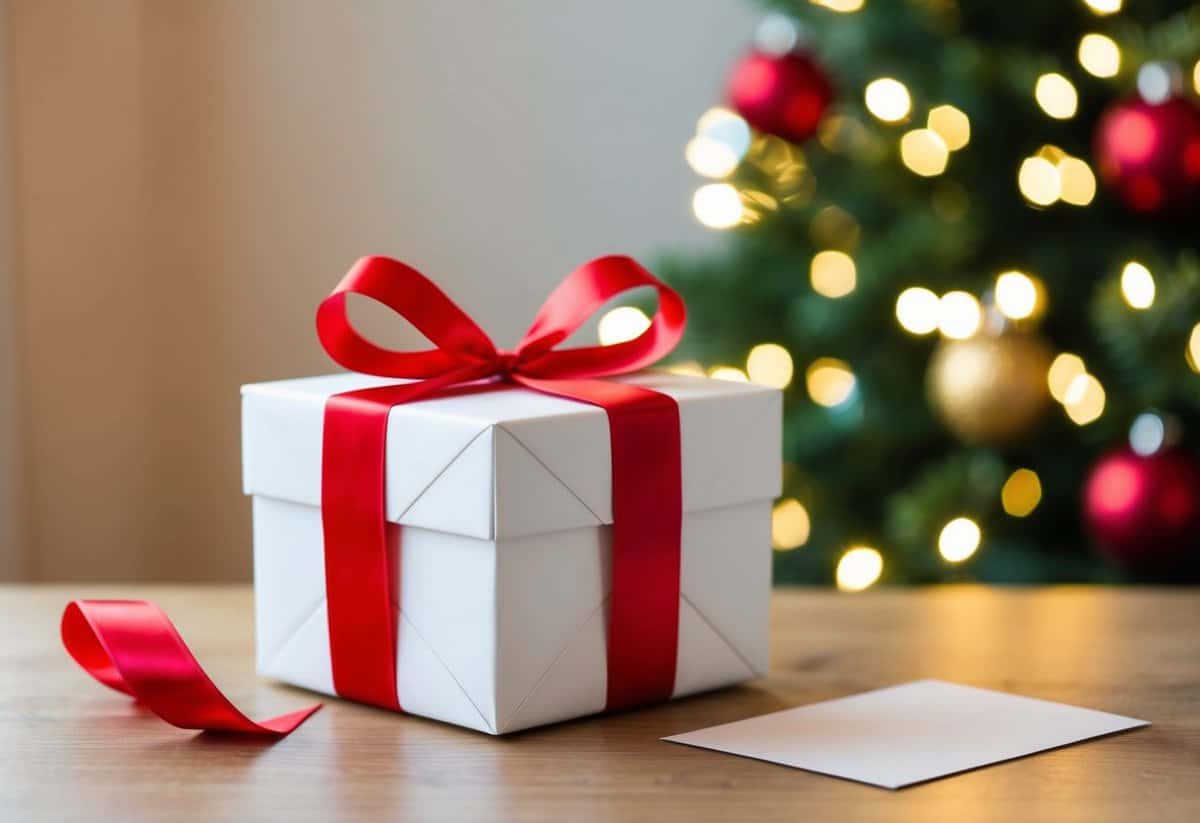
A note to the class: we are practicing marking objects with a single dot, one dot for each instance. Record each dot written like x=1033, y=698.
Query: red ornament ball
x=1144, y=511
x=1149, y=153
x=780, y=94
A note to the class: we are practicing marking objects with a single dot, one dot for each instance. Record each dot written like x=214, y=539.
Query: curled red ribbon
x=131, y=646
x=643, y=623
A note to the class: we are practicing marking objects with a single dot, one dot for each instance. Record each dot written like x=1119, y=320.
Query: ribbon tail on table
x=132, y=646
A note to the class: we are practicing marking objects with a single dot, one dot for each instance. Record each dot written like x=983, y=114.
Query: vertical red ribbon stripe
x=131, y=646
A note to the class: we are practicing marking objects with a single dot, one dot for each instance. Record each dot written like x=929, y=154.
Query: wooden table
x=74, y=750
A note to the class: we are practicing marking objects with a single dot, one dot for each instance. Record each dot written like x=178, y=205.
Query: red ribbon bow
x=643, y=425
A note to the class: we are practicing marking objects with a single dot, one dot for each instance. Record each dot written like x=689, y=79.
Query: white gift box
x=505, y=500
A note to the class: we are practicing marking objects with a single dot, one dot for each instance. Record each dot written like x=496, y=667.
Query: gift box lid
x=497, y=462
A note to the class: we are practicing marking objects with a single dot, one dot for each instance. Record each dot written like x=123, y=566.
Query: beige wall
x=189, y=179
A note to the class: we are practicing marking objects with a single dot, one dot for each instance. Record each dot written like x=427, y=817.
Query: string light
x=790, y=525
x=829, y=381
x=1076, y=181
x=722, y=140
x=718, y=205
x=1196, y=77
x=689, y=368
x=832, y=273
x=1039, y=181
x=710, y=158
x=1104, y=7
x=840, y=6
x=1021, y=493
x=1017, y=295
x=1084, y=399
x=730, y=373
x=1063, y=371
x=959, y=315
x=859, y=568
x=924, y=152
x=769, y=364
x=1099, y=55
x=917, y=310
x=621, y=324
x=888, y=99
x=959, y=539
x=1137, y=285
x=951, y=124
x=1056, y=95
x=727, y=127
x=1192, y=352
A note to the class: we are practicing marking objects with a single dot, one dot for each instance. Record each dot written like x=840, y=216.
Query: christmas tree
x=963, y=237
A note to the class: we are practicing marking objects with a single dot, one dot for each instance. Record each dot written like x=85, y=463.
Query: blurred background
x=960, y=236
x=183, y=182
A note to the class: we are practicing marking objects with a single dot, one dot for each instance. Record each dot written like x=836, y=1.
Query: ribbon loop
x=413, y=296
x=579, y=296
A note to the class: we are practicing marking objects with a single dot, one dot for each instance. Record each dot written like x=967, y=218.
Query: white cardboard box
x=505, y=499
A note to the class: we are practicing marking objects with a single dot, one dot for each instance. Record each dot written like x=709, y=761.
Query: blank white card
x=906, y=734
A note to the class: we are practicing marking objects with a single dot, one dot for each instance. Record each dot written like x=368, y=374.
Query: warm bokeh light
x=689, y=368
x=951, y=124
x=710, y=158
x=924, y=152
x=769, y=364
x=790, y=525
x=917, y=310
x=1063, y=371
x=718, y=205
x=959, y=539
x=621, y=324
x=1039, y=181
x=1076, y=181
x=1137, y=285
x=1017, y=295
x=832, y=273
x=1104, y=7
x=1056, y=95
x=730, y=373
x=1192, y=353
x=859, y=568
x=842, y=6
x=959, y=315
x=829, y=381
x=1099, y=55
x=1021, y=493
x=888, y=99
x=1084, y=399
x=1196, y=77
x=725, y=127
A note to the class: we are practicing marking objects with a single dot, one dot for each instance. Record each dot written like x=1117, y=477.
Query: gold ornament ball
x=990, y=389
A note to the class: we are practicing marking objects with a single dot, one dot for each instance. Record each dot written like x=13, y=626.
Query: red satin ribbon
x=131, y=646
x=643, y=627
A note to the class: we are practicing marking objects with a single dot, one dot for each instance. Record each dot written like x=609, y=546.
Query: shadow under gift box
x=505, y=500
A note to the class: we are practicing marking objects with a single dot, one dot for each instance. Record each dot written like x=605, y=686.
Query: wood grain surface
x=74, y=750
